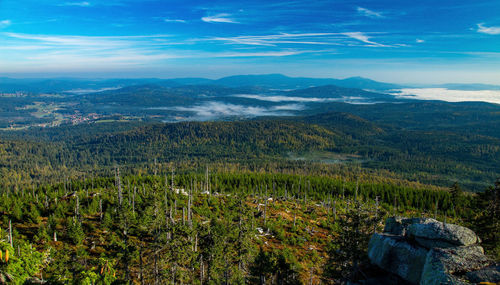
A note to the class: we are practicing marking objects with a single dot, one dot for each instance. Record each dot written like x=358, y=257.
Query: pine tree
x=456, y=195
x=347, y=250
x=487, y=224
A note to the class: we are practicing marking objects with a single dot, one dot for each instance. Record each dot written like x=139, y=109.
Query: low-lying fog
x=449, y=95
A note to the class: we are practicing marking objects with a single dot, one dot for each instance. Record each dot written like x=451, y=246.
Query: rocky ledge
x=428, y=252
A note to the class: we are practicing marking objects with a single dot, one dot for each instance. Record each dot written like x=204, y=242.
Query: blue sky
x=395, y=41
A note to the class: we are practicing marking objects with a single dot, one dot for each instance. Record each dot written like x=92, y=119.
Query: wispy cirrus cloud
x=5, y=23
x=67, y=52
x=481, y=28
x=174, y=20
x=151, y=43
x=104, y=41
x=369, y=13
x=22, y=47
x=285, y=38
x=362, y=37
x=260, y=54
x=82, y=51
x=219, y=18
x=269, y=40
x=78, y=4
x=336, y=39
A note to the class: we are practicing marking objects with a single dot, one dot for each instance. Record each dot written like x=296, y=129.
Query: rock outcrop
x=442, y=263
x=393, y=252
x=488, y=273
x=431, y=233
x=428, y=252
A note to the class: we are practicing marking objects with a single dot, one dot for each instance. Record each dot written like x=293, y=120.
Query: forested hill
x=33, y=154
x=437, y=154
x=462, y=118
x=437, y=157
x=154, y=95
x=344, y=123
x=233, y=141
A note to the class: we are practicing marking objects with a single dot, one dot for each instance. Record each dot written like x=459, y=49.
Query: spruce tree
x=347, y=250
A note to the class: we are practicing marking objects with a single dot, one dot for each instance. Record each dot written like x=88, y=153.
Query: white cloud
x=84, y=40
x=57, y=49
x=334, y=39
x=492, y=96
x=419, y=41
x=481, y=28
x=79, y=4
x=212, y=110
x=369, y=13
x=75, y=52
x=286, y=98
x=289, y=107
x=274, y=39
x=174, y=21
x=363, y=38
x=99, y=58
x=219, y=18
x=86, y=91
x=22, y=47
x=5, y=23
x=259, y=54
x=278, y=98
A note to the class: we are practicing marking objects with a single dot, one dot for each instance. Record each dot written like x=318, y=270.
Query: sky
x=398, y=41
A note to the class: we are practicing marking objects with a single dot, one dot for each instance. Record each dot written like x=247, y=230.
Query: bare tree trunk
x=141, y=267
x=201, y=269
x=171, y=215
x=190, y=193
x=172, y=185
x=294, y=215
x=265, y=213
x=100, y=209
x=133, y=200
x=119, y=187
x=196, y=243
x=77, y=207
x=11, y=241
x=183, y=216
x=206, y=181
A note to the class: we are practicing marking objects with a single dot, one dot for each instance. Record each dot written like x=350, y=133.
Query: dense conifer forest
x=196, y=226
x=436, y=157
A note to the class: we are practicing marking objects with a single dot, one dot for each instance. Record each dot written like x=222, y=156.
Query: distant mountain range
x=279, y=81
x=266, y=81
